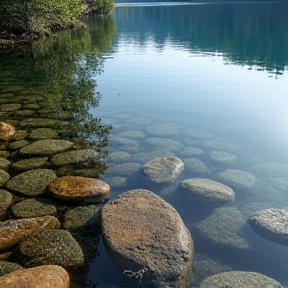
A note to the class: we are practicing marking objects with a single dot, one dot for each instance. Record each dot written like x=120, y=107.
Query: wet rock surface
x=73, y=188
x=32, y=183
x=271, y=224
x=4, y=164
x=43, y=133
x=31, y=163
x=199, y=190
x=6, y=200
x=196, y=166
x=47, y=276
x=163, y=169
x=239, y=279
x=8, y=267
x=4, y=177
x=13, y=231
x=149, y=234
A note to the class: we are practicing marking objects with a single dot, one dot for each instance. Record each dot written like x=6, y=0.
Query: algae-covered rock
x=195, y=165
x=8, y=267
x=32, y=183
x=220, y=145
x=30, y=163
x=144, y=157
x=33, y=208
x=73, y=188
x=115, y=182
x=223, y=228
x=18, y=144
x=6, y=200
x=51, y=246
x=13, y=231
x=125, y=144
x=10, y=107
x=4, y=164
x=42, y=123
x=48, y=276
x=20, y=135
x=240, y=279
x=4, y=177
x=46, y=147
x=163, y=169
x=149, y=234
x=43, y=133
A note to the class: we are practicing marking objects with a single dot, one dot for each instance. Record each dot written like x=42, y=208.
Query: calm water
x=215, y=76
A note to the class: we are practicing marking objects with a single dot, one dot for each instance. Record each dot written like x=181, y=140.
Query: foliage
x=33, y=18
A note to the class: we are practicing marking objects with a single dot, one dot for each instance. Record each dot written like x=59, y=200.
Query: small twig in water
x=136, y=275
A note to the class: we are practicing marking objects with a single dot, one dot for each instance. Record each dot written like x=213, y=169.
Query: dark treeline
x=244, y=33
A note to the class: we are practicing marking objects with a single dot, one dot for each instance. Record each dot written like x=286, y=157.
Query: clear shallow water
x=219, y=68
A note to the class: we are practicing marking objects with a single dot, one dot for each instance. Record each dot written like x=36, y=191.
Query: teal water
x=215, y=76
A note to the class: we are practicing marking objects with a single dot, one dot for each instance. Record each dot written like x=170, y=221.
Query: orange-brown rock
x=6, y=131
x=144, y=234
x=13, y=231
x=46, y=276
x=79, y=188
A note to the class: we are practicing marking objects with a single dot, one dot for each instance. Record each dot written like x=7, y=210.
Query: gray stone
x=173, y=145
x=196, y=165
x=164, y=130
x=205, y=190
x=115, y=182
x=139, y=121
x=133, y=134
x=222, y=157
x=8, y=267
x=120, y=157
x=4, y=177
x=86, y=157
x=20, y=135
x=126, y=144
x=33, y=208
x=51, y=247
x=43, y=133
x=46, y=147
x=32, y=183
x=270, y=170
x=126, y=169
x=144, y=157
x=30, y=163
x=223, y=228
x=271, y=224
x=163, y=169
x=240, y=279
x=149, y=235
x=220, y=145
x=191, y=151
x=6, y=200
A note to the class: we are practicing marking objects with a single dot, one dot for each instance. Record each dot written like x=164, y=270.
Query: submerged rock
x=163, y=169
x=271, y=224
x=220, y=145
x=240, y=279
x=18, y=144
x=148, y=235
x=30, y=163
x=270, y=170
x=205, y=190
x=8, y=267
x=120, y=157
x=126, y=169
x=131, y=134
x=222, y=157
x=79, y=188
x=46, y=147
x=196, y=165
x=164, y=130
x=32, y=183
x=4, y=164
x=6, y=200
x=144, y=157
x=6, y=131
x=13, y=231
x=173, y=145
x=46, y=276
x=4, y=177
x=191, y=151
x=43, y=133
x=51, y=246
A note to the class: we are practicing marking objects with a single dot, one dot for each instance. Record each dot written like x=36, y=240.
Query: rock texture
x=205, y=190
x=240, y=279
x=271, y=224
x=31, y=183
x=163, y=169
x=6, y=131
x=140, y=230
x=8, y=267
x=6, y=200
x=13, y=231
x=4, y=177
x=79, y=188
x=46, y=276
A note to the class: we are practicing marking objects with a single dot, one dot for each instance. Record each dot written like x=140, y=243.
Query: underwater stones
x=46, y=276
x=20, y=135
x=73, y=188
x=165, y=143
x=33, y=208
x=196, y=165
x=51, y=246
x=18, y=144
x=205, y=190
x=239, y=279
x=43, y=133
x=42, y=123
x=120, y=156
x=4, y=164
x=164, y=130
x=10, y=107
x=46, y=147
x=30, y=163
x=222, y=157
x=199, y=134
x=4, y=177
x=219, y=145
x=6, y=131
x=115, y=182
x=270, y=170
x=149, y=234
x=13, y=231
x=8, y=267
x=191, y=151
x=163, y=169
x=32, y=183
x=125, y=169
x=144, y=157
x=271, y=224
x=222, y=228
x=82, y=218
x=86, y=157
x=131, y=134
x=240, y=180
x=6, y=200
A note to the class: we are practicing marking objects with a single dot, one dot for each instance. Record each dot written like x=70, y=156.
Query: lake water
x=210, y=77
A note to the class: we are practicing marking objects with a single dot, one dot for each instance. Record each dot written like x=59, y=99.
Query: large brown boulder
x=79, y=188
x=144, y=234
x=46, y=276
